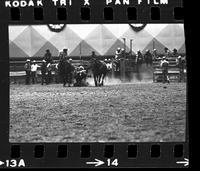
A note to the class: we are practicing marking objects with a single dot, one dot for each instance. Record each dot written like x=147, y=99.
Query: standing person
x=175, y=53
x=164, y=64
x=44, y=71
x=65, y=53
x=154, y=55
x=34, y=67
x=123, y=53
x=27, y=68
x=118, y=53
x=60, y=55
x=49, y=74
x=166, y=52
x=93, y=56
x=181, y=65
x=57, y=79
x=148, y=58
x=48, y=57
x=117, y=59
x=139, y=58
x=139, y=61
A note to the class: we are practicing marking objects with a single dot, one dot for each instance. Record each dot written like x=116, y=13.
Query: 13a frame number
x=15, y=163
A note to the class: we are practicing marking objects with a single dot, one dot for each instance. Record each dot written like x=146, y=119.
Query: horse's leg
x=64, y=80
x=95, y=80
x=68, y=80
x=103, y=77
x=99, y=80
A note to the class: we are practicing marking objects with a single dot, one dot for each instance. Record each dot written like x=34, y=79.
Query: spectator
x=65, y=53
x=154, y=55
x=118, y=53
x=93, y=56
x=181, y=64
x=34, y=67
x=164, y=66
x=139, y=57
x=27, y=68
x=123, y=53
x=139, y=62
x=60, y=55
x=175, y=53
x=44, y=72
x=166, y=52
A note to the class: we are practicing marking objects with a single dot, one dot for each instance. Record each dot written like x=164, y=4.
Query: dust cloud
x=145, y=75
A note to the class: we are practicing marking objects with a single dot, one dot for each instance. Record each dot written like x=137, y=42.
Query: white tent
x=82, y=39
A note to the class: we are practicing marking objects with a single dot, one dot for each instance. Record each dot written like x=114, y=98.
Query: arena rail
x=173, y=71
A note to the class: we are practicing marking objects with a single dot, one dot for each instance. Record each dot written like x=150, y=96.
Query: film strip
x=132, y=121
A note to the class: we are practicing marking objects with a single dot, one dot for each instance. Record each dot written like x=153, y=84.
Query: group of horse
x=67, y=72
x=98, y=68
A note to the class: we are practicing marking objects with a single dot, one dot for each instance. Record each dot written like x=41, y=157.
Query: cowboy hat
x=81, y=67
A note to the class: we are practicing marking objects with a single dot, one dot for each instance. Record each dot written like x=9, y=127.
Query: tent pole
x=80, y=53
x=153, y=45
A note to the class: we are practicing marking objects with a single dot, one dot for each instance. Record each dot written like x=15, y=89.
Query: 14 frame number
x=112, y=163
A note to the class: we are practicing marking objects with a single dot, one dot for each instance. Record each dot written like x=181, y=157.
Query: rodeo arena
x=97, y=83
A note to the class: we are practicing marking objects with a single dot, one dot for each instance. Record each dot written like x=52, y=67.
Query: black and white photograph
x=75, y=83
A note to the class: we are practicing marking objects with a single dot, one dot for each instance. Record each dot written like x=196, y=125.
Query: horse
x=65, y=71
x=99, y=70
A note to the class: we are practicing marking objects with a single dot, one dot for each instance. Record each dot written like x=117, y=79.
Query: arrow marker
x=1, y=163
x=97, y=162
x=186, y=162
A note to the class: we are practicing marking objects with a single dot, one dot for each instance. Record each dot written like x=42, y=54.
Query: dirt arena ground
x=142, y=112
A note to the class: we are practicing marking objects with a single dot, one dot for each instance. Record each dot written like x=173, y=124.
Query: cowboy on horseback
x=48, y=57
x=65, y=68
x=99, y=70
